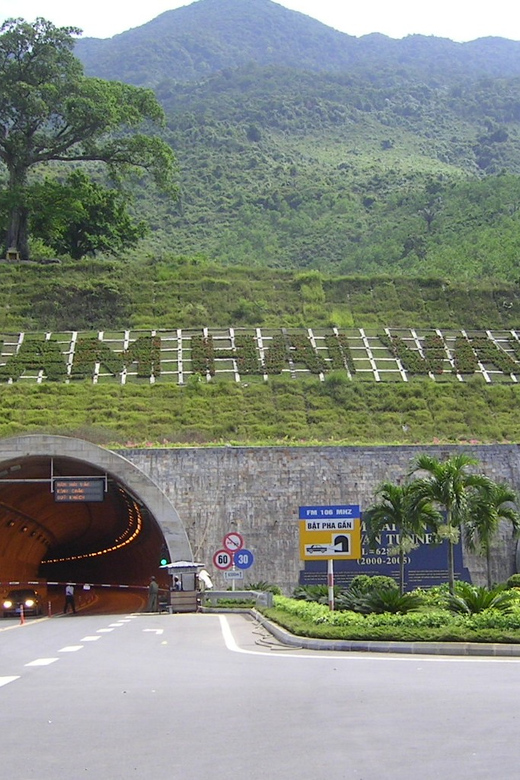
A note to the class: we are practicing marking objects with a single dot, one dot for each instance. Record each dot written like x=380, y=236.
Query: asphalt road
x=197, y=696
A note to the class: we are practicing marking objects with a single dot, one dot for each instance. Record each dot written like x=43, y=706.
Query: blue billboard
x=425, y=566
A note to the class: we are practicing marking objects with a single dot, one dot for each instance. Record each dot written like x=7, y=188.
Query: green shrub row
x=312, y=619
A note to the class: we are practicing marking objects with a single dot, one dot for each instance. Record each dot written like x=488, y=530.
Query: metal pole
x=330, y=582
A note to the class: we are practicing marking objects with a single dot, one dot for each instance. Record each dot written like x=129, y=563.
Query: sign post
x=233, y=558
x=330, y=533
x=330, y=583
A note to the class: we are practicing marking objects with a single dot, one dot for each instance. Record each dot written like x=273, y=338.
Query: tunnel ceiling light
x=138, y=519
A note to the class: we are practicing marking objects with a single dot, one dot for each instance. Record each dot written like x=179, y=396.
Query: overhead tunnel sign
x=330, y=532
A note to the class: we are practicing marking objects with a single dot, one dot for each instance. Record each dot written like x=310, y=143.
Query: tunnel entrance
x=70, y=510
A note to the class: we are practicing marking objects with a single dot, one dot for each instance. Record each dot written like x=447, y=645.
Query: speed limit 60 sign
x=223, y=559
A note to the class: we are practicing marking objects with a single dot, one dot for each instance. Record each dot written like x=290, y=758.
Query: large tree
x=50, y=111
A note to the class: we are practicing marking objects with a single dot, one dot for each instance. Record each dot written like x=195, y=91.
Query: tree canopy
x=50, y=111
x=79, y=217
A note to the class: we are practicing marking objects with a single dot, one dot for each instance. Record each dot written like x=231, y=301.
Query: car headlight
x=8, y=604
x=29, y=603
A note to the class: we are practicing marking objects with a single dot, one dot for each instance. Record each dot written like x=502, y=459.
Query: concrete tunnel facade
x=119, y=539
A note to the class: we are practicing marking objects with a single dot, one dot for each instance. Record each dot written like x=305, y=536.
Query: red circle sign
x=223, y=559
x=233, y=542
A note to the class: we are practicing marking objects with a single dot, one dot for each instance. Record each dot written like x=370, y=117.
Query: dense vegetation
x=181, y=292
x=429, y=620
x=207, y=36
x=324, y=181
x=301, y=147
x=280, y=412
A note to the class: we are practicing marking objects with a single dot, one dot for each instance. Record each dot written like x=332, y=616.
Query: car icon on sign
x=316, y=548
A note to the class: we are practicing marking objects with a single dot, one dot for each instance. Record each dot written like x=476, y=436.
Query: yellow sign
x=337, y=538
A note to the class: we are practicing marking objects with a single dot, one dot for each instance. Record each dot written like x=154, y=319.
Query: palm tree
x=449, y=487
x=400, y=506
x=489, y=505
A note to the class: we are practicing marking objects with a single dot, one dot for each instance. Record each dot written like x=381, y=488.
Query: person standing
x=69, y=598
x=153, y=596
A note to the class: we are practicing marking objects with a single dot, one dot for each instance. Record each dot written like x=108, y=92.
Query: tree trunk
x=488, y=562
x=18, y=231
x=451, y=567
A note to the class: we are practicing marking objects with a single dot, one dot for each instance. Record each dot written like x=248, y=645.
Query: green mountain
x=208, y=36
x=302, y=147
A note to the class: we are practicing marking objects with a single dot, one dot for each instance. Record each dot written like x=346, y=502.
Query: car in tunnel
x=26, y=597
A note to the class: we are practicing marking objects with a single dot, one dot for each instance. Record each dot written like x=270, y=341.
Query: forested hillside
x=209, y=36
x=302, y=147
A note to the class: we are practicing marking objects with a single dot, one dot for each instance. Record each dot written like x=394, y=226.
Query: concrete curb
x=407, y=648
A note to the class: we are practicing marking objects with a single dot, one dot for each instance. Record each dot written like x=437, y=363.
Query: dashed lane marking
x=104, y=630
x=7, y=680
x=89, y=638
x=70, y=649
x=41, y=662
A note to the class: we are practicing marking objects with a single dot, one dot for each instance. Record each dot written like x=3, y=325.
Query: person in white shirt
x=69, y=598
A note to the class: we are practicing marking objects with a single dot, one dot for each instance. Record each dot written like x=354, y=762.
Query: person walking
x=69, y=598
x=153, y=595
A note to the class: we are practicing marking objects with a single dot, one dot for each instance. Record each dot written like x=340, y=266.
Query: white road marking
x=115, y=624
x=70, y=649
x=352, y=655
x=89, y=638
x=104, y=630
x=41, y=662
x=6, y=680
x=157, y=631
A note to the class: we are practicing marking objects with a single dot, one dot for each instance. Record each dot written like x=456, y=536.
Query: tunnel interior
x=47, y=535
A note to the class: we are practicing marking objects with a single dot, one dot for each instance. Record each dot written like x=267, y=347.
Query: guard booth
x=186, y=599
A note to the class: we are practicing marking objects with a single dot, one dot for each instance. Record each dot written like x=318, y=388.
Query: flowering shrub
x=35, y=355
x=88, y=352
x=488, y=352
x=435, y=352
x=339, y=352
x=146, y=352
x=276, y=356
x=304, y=352
x=465, y=359
x=412, y=360
x=202, y=355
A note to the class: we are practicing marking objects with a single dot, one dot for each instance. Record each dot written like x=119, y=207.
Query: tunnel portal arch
x=120, y=539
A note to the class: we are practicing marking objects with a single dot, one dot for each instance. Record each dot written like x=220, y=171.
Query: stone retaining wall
x=258, y=490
